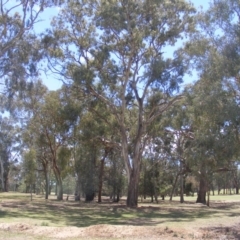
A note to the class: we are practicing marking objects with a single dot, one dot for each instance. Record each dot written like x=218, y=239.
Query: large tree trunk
x=202, y=190
x=59, y=183
x=46, y=175
x=78, y=188
x=132, y=197
x=133, y=165
x=47, y=185
x=4, y=176
x=60, y=190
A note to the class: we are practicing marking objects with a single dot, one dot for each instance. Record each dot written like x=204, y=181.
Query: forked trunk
x=202, y=191
x=133, y=165
x=174, y=186
x=59, y=183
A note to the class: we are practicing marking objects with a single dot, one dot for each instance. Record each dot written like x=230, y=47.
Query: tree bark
x=202, y=190
x=132, y=197
x=60, y=190
x=78, y=188
x=46, y=175
x=47, y=185
x=59, y=183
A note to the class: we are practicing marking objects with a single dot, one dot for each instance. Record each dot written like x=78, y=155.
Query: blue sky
x=51, y=82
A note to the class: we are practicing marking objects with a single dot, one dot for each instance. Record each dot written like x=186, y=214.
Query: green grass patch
x=17, y=207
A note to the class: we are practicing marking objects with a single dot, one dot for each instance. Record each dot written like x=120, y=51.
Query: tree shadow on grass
x=81, y=214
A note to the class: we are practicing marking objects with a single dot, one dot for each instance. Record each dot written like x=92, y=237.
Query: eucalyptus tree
x=214, y=53
x=10, y=148
x=28, y=108
x=176, y=136
x=107, y=138
x=29, y=169
x=213, y=144
x=52, y=129
x=115, y=50
x=92, y=149
x=116, y=175
x=19, y=47
x=236, y=178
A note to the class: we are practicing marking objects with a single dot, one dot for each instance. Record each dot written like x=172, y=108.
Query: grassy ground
x=18, y=208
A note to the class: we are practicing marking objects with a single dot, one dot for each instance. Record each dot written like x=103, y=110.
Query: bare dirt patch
x=124, y=232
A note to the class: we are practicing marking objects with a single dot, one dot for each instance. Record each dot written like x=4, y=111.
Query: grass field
x=21, y=218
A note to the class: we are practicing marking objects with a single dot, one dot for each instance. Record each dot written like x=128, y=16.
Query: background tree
x=29, y=170
x=19, y=48
x=52, y=129
x=9, y=149
x=213, y=52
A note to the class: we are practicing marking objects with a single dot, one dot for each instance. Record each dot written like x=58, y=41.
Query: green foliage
x=63, y=159
x=10, y=148
x=20, y=52
x=29, y=167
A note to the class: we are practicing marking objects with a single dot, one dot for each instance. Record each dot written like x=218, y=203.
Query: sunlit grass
x=18, y=207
